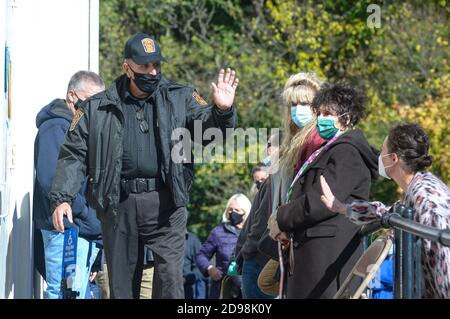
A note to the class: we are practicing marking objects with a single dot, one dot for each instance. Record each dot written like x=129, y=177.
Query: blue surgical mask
x=301, y=115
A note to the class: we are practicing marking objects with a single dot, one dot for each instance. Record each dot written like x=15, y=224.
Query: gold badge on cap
x=78, y=115
x=149, y=45
x=199, y=99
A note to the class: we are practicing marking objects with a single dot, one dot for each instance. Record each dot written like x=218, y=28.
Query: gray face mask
x=382, y=168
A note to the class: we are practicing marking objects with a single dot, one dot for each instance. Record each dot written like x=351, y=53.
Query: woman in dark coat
x=325, y=244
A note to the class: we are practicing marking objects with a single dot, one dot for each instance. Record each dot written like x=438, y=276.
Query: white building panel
x=49, y=40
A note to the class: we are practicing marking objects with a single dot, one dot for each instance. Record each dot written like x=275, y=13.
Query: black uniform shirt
x=140, y=150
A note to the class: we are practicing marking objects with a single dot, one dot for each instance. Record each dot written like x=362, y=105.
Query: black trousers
x=146, y=219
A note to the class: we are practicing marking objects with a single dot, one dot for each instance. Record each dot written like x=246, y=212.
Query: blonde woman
x=221, y=242
x=299, y=142
x=299, y=136
x=297, y=96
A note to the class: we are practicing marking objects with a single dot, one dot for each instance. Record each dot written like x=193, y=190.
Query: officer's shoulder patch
x=78, y=115
x=199, y=99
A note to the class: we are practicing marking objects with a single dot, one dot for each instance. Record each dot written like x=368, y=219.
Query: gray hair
x=78, y=80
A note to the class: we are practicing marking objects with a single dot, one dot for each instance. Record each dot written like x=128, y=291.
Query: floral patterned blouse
x=430, y=197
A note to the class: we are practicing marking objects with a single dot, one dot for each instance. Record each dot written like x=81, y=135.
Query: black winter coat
x=326, y=244
x=254, y=227
x=93, y=145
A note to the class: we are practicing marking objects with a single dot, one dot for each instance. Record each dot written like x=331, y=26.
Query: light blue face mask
x=301, y=115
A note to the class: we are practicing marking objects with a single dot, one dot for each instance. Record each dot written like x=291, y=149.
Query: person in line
x=404, y=158
x=222, y=241
x=194, y=281
x=300, y=141
x=259, y=175
x=53, y=122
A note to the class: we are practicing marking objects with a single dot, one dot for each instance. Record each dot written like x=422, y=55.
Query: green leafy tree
x=402, y=66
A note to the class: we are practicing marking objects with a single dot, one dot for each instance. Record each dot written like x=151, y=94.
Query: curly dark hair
x=410, y=142
x=341, y=98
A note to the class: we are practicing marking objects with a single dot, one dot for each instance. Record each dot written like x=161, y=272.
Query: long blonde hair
x=292, y=148
x=299, y=88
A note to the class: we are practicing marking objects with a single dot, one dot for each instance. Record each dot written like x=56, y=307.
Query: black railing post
x=398, y=264
x=418, y=268
x=406, y=250
x=408, y=255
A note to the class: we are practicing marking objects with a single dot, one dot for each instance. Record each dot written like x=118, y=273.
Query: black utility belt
x=141, y=185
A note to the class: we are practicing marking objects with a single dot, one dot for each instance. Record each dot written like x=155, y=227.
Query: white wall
x=3, y=124
x=50, y=40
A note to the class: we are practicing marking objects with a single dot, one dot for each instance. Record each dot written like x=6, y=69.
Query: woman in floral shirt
x=404, y=158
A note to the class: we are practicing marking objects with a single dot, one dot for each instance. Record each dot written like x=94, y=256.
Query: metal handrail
x=370, y=228
x=396, y=221
x=408, y=236
x=408, y=240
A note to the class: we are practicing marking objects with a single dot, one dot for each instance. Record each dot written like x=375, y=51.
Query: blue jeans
x=53, y=250
x=250, y=273
x=195, y=291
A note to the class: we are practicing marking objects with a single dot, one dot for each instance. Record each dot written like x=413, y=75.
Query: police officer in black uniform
x=122, y=139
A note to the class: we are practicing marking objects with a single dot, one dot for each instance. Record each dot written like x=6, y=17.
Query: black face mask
x=236, y=218
x=77, y=104
x=145, y=82
x=258, y=184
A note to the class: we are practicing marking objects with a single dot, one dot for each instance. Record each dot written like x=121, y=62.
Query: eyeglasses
x=143, y=125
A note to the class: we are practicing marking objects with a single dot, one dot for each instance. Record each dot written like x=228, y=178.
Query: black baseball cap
x=142, y=49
